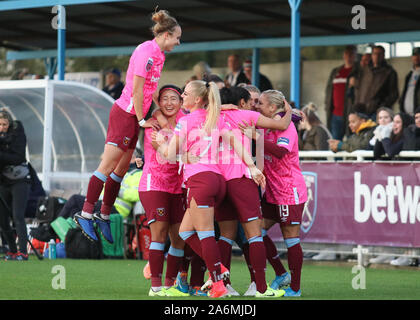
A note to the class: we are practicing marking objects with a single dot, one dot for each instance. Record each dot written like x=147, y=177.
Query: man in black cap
x=113, y=85
x=410, y=98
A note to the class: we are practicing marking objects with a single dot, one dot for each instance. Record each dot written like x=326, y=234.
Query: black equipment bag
x=48, y=208
x=78, y=246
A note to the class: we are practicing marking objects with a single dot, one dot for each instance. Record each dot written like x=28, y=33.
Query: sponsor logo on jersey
x=154, y=79
x=309, y=211
x=282, y=141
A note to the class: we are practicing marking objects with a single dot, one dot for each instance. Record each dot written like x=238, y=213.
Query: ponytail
x=213, y=107
x=209, y=93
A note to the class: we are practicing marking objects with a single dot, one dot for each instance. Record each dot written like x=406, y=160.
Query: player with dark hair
x=161, y=196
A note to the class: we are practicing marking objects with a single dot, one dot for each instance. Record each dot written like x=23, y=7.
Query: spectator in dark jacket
x=412, y=133
x=391, y=144
x=113, y=84
x=264, y=84
x=15, y=184
x=376, y=85
x=410, y=97
x=236, y=74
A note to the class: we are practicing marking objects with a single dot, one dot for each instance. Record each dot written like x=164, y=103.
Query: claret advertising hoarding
x=361, y=203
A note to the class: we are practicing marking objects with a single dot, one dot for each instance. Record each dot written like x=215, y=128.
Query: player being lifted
x=125, y=119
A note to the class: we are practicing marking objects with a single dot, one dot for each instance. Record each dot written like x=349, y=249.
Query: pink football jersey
x=231, y=165
x=197, y=142
x=158, y=173
x=285, y=182
x=147, y=62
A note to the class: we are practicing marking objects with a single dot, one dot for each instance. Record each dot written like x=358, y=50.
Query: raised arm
x=276, y=124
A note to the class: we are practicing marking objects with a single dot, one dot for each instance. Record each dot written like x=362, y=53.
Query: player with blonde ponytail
x=198, y=133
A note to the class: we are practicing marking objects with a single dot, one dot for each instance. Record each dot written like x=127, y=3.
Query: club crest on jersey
x=149, y=64
x=126, y=141
x=309, y=211
x=160, y=212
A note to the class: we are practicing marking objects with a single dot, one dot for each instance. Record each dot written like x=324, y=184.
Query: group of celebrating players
x=198, y=170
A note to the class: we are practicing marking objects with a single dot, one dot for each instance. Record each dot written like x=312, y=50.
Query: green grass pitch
x=123, y=280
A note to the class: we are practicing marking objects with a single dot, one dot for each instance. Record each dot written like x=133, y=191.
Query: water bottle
x=52, y=252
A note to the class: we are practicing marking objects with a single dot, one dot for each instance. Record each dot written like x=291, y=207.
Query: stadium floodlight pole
x=295, y=52
x=59, y=23
x=256, y=67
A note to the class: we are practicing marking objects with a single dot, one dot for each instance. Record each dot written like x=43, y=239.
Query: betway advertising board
x=361, y=203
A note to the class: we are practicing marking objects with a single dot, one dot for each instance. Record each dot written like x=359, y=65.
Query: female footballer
x=125, y=119
x=200, y=132
x=285, y=194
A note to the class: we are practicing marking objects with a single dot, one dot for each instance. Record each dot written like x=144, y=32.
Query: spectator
x=264, y=83
x=255, y=95
x=384, y=117
x=313, y=135
x=15, y=184
x=391, y=144
x=336, y=101
x=410, y=97
x=201, y=70
x=236, y=74
x=113, y=84
x=217, y=80
x=412, y=133
x=377, y=84
x=365, y=60
x=362, y=128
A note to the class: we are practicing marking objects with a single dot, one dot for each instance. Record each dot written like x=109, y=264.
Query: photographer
x=15, y=183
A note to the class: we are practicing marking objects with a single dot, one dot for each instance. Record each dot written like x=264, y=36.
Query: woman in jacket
x=362, y=128
x=391, y=144
x=313, y=135
x=412, y=133
x=15, y=183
